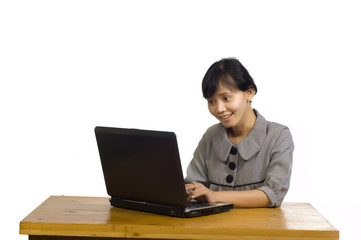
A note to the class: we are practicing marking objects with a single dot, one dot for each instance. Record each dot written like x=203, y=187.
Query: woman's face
x=230, y=106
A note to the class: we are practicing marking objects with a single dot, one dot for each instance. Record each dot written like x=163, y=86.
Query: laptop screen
x=141, y=165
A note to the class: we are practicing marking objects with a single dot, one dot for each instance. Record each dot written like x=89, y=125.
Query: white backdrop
x=67, y=66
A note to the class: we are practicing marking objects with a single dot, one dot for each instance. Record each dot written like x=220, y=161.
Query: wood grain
x=93, y=217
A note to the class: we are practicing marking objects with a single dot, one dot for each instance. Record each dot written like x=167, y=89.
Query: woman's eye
x=210, y=102
x=227, y=98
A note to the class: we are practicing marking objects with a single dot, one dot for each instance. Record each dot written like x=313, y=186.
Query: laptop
x=142, y=171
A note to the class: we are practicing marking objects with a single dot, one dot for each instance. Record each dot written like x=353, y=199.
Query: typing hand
x=199, y=192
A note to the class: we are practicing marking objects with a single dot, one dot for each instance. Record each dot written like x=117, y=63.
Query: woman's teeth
x=225, y=116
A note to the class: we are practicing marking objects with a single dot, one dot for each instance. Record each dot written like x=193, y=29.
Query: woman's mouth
x=225, y=117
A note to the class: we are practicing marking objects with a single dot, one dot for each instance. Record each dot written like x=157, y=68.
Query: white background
x=67, y=66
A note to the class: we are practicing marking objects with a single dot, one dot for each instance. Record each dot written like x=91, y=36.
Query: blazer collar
x=248, y=147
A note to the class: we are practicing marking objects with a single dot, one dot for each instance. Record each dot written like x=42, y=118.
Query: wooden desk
x=63, y=217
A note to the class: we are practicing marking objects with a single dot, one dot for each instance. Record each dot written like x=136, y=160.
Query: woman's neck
x=243, y=128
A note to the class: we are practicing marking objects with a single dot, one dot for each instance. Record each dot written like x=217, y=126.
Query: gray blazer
x=263, y=160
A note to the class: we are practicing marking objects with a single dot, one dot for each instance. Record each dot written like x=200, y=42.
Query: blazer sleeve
x=197, y=169
x=278, y=176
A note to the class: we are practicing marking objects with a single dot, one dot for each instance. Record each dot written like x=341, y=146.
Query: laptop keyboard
x=195, y=204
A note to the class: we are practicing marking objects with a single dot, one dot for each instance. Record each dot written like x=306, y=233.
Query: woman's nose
x=221, y=108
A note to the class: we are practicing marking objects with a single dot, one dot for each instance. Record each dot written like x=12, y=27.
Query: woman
x=244, y=160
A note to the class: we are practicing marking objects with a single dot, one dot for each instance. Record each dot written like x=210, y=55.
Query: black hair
x=231, y=73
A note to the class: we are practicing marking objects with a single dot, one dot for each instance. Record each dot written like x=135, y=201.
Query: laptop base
x=170, y=210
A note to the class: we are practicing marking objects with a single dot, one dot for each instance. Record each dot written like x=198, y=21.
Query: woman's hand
x=250, y=198
x=200, y=193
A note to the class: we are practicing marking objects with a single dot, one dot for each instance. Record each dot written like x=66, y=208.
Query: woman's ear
x=250, y=94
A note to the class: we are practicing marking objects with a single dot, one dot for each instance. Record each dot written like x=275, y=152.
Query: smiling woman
x=244, y=159
x=232, y=109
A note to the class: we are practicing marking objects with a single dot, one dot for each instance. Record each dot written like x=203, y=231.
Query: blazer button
x=232, y=165
x=234, y=150
x=229, y=179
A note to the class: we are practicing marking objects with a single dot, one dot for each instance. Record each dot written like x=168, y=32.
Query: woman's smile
x=225, y=116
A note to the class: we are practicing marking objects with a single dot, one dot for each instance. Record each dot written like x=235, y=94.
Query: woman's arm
x=251, y=198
